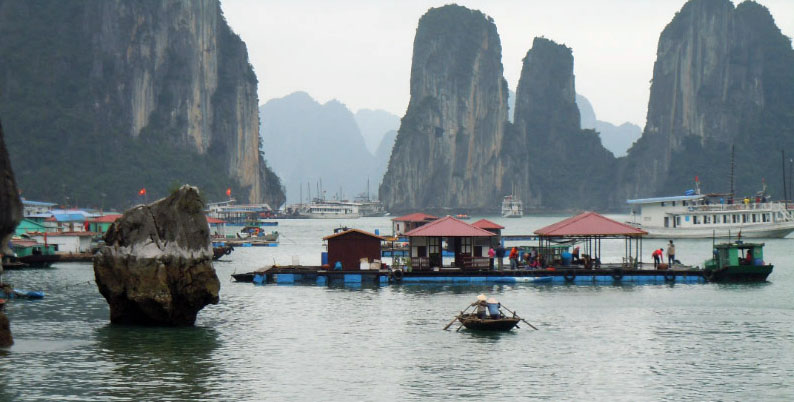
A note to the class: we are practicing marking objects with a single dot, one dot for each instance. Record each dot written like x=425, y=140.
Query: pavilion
x=469, y=244
x=590, y=228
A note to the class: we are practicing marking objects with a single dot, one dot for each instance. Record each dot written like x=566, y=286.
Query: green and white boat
x=737, y=262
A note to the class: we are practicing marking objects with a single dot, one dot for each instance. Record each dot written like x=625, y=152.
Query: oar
x=451, y=322
x=516, y=315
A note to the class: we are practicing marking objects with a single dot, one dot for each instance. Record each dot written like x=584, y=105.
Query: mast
x=785, y=190
x=731, y=176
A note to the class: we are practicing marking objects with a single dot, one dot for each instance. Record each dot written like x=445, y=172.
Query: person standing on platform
x=657, y=258
x=491, y=254
x=670, y=254
x=514, y=258
x=500, y=254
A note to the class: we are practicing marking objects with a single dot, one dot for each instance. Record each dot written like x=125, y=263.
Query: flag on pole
x=229, y=192
x=142, y=191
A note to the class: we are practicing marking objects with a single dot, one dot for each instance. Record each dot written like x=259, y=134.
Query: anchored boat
x=737, y=262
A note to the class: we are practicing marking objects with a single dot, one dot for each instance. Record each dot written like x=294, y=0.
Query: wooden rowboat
x=471, y=321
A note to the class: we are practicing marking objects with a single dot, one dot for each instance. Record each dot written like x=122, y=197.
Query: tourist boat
x=471, y=321
x=322, y=209
x=255, y=232
x=696, y=215
x=737, y=262
x=512, y=207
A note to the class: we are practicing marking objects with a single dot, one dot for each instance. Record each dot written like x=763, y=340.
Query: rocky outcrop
x=551, y=161
x=723, y=76
x=156, y=266
x=112, y=71
x=448, y=145
x=10, y=215
x=617, y=139
x=11, y=211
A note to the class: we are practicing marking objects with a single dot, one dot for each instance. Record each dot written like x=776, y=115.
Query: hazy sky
x=359, y=51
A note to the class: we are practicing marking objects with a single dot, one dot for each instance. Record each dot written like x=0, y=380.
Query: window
x=465, y=245
x=754, y=218
x=673, y=203
x=724, y=218
x=695, y=220
x=744, y=218
x=678, y=221
x=707, y=219
x=662, y=203
x=434, y=245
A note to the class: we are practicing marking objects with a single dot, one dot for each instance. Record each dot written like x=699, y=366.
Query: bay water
x=303, y=342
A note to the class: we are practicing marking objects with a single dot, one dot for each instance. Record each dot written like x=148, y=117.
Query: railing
x=475, y=263
x=420, y=263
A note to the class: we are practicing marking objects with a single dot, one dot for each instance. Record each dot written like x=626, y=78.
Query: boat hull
x=740, y=273
x=488, y=324
x=777, y=231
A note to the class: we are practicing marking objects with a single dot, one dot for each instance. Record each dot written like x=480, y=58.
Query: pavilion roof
x=353, y=231
x=415, y=217
x=486, y=224
x=589, y=224
x=448, y=227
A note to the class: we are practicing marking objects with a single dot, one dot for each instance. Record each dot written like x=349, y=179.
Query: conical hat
x=492, y=301
x=481, y=297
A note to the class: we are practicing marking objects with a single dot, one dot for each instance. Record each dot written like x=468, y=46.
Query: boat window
x=678, y=221
x=695, y=219
x=673, y=203
x=662, y=203
x=683, y=203
x=707, y=219
x=735, y=218
x=754, y=218
x=744, y=218
x=724, y=218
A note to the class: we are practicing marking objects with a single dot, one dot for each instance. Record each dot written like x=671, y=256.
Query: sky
x=359, y=51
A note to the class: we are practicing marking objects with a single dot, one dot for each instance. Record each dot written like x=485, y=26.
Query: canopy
x=448, y=227
x=589, y=224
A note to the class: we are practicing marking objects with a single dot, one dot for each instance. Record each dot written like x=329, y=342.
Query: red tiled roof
x=486, y=224
x=351, y=231
x=105, y=218
x=415, y=217
x=215, y=220
x=449, y=227
x=589, y=224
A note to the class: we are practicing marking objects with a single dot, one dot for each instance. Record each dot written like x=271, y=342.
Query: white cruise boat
x=321, y=209
x=711, y=215
x=512, y=207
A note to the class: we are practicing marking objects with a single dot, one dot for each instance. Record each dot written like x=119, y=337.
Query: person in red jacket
x=657, y=258
x=514, y=258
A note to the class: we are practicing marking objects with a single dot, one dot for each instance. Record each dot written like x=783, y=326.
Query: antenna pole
x=732, y=169
x=785, y=190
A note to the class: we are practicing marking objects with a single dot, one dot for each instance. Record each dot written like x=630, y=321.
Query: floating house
x=410, y=222
x=468, y=243
x=30, y=208
x=29, y=226
x=66, y=242
x=354, y=249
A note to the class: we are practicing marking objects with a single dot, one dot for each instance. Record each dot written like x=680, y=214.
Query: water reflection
x=176, y=361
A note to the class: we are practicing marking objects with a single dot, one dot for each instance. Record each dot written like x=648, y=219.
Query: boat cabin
x=352, y=247
x=738, y=253
x=469, y=244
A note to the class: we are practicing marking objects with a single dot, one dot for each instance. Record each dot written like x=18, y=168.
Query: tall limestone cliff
x=447, y=148
x=111, y=95
x=551, y=161
x=724, y=76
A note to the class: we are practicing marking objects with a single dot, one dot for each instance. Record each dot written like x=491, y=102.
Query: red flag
x=696, y=178
x=229, y=192
x=142, y=191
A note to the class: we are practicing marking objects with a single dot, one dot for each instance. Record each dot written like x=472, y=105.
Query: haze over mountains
x=309, y=143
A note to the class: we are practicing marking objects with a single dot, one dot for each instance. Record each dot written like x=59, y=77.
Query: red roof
x=416, y=217
x=589, y=224
x=214, y=220
x=449, y=227
x=351, y=231
x=486, y=224
x=105, y=218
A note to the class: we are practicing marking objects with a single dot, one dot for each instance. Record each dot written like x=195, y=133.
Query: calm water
x=631, y=342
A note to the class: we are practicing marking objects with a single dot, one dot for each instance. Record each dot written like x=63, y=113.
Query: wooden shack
x=350, y=246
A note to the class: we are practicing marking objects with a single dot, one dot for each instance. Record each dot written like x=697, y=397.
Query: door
x=667, y=221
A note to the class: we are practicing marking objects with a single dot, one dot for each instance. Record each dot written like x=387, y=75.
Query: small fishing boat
x=488, y=316
x=737, y=262
x=5, y=293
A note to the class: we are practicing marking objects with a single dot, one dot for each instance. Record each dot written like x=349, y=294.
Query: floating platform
x=606, y=275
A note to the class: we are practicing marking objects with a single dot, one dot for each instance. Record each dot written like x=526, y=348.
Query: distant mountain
x=374, y=124
x=311, y=143
x=382, y=156
x=617, y=139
